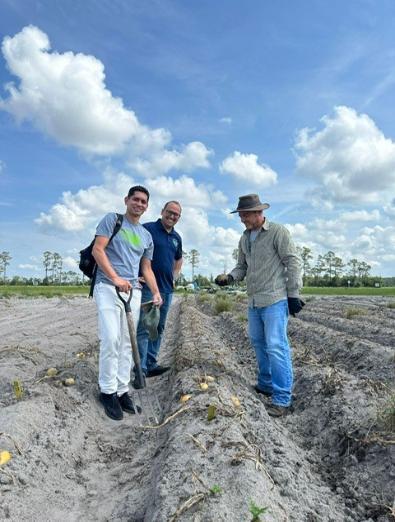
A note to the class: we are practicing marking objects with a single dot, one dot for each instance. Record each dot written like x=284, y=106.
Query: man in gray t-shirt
x=118, y=263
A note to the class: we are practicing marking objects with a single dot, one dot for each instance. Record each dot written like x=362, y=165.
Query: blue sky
x=199, y=101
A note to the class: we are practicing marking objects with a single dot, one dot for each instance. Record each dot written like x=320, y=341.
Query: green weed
x=216, y=490
x=203, y=298
x=386, y=415
x=391, y=305
x=222, y=304
x=352, y=312
x=18, y=389
x=256, y=511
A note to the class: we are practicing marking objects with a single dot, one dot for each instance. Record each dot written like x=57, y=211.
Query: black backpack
x=87, y=264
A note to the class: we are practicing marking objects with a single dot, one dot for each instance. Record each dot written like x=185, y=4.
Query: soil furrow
x=332, y=459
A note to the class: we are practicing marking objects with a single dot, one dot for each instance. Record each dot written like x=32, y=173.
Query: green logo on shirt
x=131, y=237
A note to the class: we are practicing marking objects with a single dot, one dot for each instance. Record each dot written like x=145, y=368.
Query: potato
x=209, y=378
x=51, y=372
x=236, y=401
x=70, y=381
x=5, y=456
x=185, y=398
x=203, y=386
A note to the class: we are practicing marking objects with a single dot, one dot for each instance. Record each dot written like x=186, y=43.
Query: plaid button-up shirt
x=271, y=265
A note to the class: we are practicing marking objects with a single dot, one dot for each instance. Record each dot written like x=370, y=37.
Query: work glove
x=223, y=280
x=150, y=319
x=295, y=305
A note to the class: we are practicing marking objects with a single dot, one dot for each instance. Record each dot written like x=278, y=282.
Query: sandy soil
x=332, y=459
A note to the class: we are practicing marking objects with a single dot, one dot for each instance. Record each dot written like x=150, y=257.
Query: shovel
x=139, y=382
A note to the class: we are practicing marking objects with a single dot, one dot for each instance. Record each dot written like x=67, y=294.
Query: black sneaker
x=127, y=404
x=263, y=392
x=158, y=370
x=111, y=405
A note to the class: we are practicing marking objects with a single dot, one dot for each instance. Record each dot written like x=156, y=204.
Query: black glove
x=295, y=305
x=223, y=280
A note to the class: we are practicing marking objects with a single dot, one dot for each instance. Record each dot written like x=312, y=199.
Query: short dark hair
x=138, y=188
x=174, y=202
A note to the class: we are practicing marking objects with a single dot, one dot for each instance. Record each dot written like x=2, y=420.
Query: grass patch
x=42, y=291
x=325, y=290
x=391, y=305
x=352, y=312
x=386, y=416
x=203, y=298
x=222, y=304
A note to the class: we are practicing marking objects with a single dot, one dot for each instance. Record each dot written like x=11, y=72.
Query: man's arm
x=240, y=270
x=237, y=274
x=177, y=268
x=149, y=277
x=101, y=258
x=289, y=257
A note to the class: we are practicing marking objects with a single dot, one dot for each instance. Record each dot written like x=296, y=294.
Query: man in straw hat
x=268, y=259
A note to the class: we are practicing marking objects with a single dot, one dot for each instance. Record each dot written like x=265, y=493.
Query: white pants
x=115, y=359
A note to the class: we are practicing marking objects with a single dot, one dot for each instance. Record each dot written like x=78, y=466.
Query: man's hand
x=122, y=284
x=157, y=299
x=223, y=280
x=295, y=305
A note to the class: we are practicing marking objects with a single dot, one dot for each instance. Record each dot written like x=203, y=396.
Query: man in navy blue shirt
x=166, y=265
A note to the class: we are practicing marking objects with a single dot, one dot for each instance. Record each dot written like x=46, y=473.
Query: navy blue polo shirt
x=167, y=249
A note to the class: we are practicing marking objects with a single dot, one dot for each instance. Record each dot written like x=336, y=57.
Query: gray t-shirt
x=126, y=249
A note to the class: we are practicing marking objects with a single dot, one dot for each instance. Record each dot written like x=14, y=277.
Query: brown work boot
x=278, y=411
x=266, y=393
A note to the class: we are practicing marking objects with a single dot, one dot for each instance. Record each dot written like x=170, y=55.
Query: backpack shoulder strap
x=117, y=226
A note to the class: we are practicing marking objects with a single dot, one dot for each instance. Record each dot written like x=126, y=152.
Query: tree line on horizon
x=327, y=270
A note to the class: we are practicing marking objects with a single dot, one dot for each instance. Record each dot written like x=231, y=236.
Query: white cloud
x=298, y=231
x=226, y=120
x=78, y=211
x=389, y=210
x=187, y=191
x=246, y=167
x=388, y=257
x=348, y=239
x=27, y=266
x=70, y=263
x=215, y=244
x=350, y=158
x=65, y=96
x=82, y=210
x=360, y=215
x=192, y=156
x=2, y=166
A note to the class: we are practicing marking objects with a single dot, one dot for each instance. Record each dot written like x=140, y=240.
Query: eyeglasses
x=173, y=214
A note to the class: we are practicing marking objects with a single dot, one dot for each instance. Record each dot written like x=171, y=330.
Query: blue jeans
x=267, y=328
x=149, y=350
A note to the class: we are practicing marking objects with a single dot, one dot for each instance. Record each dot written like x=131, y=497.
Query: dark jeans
x=149, y=350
